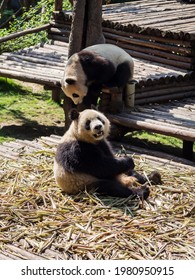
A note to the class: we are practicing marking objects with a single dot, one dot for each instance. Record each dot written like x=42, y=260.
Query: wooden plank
x=167, y=119
x=157, y=127
x=29, y=78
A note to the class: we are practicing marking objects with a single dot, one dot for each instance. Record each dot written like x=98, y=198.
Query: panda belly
x=71, y=183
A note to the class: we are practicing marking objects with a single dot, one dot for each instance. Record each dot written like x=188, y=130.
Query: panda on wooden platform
x=84, y=159
x=95, y=67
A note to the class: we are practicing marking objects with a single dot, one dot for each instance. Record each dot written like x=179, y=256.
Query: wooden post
x=94, y=23
x=85, y=31
x=56, y=95
x=188, y=149
x=77, y=27
x=58, y=5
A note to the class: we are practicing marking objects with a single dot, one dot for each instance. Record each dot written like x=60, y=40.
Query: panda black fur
x=85, y=159
x=97, y=66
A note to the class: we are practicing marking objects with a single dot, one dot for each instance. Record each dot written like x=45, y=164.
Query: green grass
x=155, y=138
x=156, y=141
x=25, y=111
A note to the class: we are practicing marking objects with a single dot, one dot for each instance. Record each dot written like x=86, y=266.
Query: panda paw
x=155, y=178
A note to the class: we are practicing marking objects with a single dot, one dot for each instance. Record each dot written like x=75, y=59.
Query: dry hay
x=37, y=221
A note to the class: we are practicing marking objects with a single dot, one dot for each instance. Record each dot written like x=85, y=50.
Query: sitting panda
x=96, y=67
x=84, y=159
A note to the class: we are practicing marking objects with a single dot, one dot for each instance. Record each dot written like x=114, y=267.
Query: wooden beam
x=24, y=32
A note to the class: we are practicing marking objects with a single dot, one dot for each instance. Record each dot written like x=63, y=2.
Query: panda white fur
x=97, y=66
x=85, y=159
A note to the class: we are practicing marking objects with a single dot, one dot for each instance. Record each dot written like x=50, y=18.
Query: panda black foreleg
x=117, y=189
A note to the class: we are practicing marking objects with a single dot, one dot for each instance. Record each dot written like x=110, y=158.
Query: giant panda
x=84, y=159
x=95, y=67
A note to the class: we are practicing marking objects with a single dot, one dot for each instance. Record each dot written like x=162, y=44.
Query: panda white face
x=74, y=80
x=92, y=126
x=74, y=90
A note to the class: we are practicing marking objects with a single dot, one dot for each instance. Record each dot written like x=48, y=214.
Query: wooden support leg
x=67, y=106
x=188, y=149
x=56, y=95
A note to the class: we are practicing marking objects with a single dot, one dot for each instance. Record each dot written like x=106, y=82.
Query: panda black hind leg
x=117, y=189
x=121, y=77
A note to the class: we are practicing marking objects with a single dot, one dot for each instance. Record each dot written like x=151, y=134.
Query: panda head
x=74, y=82
x=89, y=125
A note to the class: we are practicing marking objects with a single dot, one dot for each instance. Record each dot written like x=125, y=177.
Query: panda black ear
x=73, y=114
x=70, y=81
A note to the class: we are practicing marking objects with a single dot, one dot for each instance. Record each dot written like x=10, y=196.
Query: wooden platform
x=44, y=65
x=163, y=31
x=176, y=119
x=163, y=15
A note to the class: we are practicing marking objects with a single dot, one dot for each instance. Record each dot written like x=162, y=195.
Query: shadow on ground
x=29, y=131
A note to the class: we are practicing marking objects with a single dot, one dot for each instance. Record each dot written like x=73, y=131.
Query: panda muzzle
x=98, y=129
x=98, y=134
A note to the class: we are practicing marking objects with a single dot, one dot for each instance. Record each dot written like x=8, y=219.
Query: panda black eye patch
x=75, y=95
x=87, y=125
x=70, y=81
x=103, y=122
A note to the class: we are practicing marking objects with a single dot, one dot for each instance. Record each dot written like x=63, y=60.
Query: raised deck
x=44, y=65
